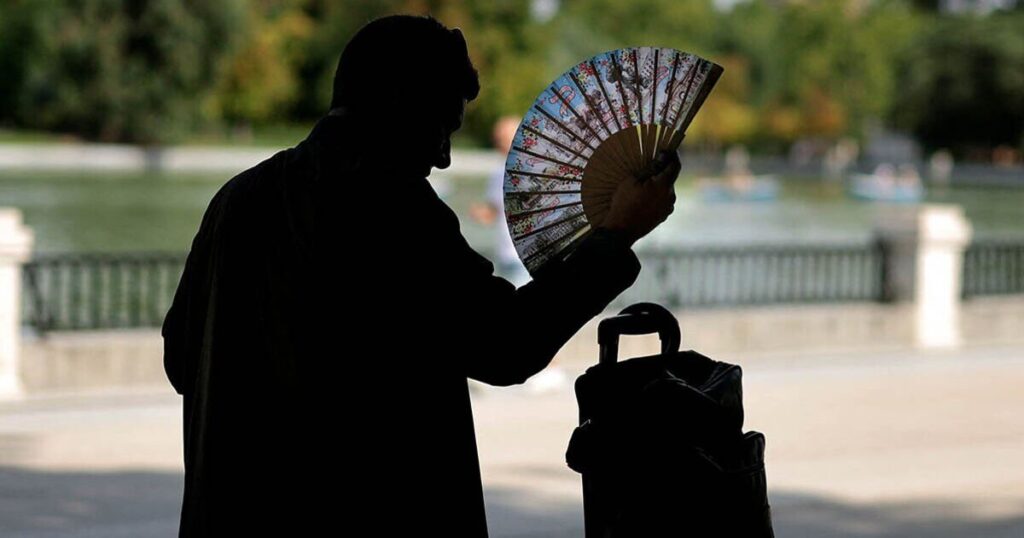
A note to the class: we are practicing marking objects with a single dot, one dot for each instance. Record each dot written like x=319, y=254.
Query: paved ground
x=891, y=445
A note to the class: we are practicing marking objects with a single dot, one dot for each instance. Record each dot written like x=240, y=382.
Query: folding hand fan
x=601, y=122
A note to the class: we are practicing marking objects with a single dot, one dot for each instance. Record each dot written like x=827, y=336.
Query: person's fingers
x=664, y=159
x=676, y=166
x=671, y=171
x=666, y=178
x=662, y=162
x=649, y=171
x=667, y=159
x=672, y=157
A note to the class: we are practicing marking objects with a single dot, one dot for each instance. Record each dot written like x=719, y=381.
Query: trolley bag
x=660, y=442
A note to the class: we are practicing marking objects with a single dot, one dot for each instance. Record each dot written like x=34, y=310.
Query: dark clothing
x=322, y=335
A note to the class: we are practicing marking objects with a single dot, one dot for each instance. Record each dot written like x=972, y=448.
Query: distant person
x=908, y=176
x=1004, y=156
x=330, y=313
x=738, y=177
x=885, y=176
x=492, y=211
x=940, y=167
x=840, y=157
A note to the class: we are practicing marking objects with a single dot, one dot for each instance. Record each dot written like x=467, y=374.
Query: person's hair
x=404, y=60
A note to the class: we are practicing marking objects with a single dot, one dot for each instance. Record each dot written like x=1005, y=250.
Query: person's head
x=505, y=132
x=407, y=80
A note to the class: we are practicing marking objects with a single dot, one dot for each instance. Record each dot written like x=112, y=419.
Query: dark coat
x=322, y=335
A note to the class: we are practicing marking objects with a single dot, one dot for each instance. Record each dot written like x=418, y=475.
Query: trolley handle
x=639, y=318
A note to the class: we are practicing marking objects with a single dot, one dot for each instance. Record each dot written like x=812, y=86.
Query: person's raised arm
x=514, y=333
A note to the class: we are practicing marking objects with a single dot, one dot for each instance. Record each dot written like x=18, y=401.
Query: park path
x=887, y=445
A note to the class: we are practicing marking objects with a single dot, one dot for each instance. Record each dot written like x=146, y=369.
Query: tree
x=962, y=83
x=335, y=23
x=261, y=79
x=728, y=116
x=16, y=37
x=822, y=69
x=121, y=70
x=506, y=46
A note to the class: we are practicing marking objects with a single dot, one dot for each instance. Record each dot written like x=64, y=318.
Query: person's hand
x=640, y=204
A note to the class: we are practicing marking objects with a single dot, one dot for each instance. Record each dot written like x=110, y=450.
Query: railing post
x=923, y=262
x=15, y=249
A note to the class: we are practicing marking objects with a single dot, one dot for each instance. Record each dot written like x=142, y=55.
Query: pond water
x=133, y=212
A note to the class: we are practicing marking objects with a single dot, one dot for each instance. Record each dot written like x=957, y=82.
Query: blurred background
x=850, y=229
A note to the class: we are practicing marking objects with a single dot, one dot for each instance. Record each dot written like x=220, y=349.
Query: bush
x=116, y=70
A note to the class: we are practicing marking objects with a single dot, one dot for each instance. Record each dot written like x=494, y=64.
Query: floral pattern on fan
x=599, y=122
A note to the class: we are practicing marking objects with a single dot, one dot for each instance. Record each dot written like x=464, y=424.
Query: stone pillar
x=15, y=248
x=924, y=248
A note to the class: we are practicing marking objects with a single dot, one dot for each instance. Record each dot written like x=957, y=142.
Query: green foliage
x=335, y=23
x=962, y=83
x=261, y=81
x=508, y=50
x=155, y=71
x=506, y=47
x=821, y=69
x=138, y=71
x=16, y=37
x=687, y=25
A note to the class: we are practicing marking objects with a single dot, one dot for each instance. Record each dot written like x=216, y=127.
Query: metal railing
x=994, y=267
x=99, y=291
x=763, y=274
x=104, y=291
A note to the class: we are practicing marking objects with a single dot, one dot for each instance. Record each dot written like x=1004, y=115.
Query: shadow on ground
x=42, y=504
x=514, y=515
x=804, y=516
x=37, y=504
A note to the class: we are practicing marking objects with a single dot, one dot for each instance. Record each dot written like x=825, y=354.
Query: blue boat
x=885, y=188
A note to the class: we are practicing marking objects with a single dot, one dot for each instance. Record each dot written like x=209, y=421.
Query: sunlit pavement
x=915, y=445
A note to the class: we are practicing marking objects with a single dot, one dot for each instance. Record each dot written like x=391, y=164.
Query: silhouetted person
x=331, y=312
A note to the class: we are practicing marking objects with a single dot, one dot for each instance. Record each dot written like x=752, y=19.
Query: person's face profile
x=451, y=121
